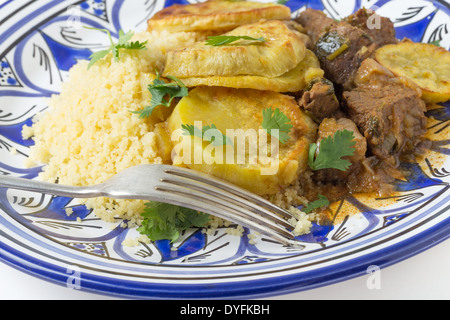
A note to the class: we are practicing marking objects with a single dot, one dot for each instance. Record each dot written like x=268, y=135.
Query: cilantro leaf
x=436, y=43
x=212, y=134
x=279, y=121
x=321, y=202
x=123, y=43
x=331, y=151
x=124, y=38
x=160, y=90
x=96, y=56
x=223, y=40
x=163, y=221
x=191, y=130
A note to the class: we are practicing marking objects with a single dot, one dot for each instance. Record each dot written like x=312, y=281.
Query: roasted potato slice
x=292, y=81
x=219, y=16
x=282, y=50
x=426, y=65
x=223, y=107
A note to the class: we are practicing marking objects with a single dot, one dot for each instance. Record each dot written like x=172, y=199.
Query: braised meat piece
x=387, y=109
x=373, y=74
x=301, y=32
x=341, y=50
x=342, y=46
x=329, y=127
x=391, y=117
x=319, y=99
x=380, y=29
x=315, y=23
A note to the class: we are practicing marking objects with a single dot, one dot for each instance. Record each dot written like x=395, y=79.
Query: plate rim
x=382, y=258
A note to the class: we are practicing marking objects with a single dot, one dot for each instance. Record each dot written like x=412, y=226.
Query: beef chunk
x=374, y=75
x=391, y=117
x=329, y=127
x=341, y=50
x=315, y=23
x=342, y=46
x=387, y=109
x=381, y=29
x=319, y=99
x=301, y=32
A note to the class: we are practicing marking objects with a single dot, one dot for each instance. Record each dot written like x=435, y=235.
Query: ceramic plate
x=41, y=40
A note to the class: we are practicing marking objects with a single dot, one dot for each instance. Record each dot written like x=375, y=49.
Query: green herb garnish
x=321, y=202
x=331, y=151
x=160, y=90
x=123, y=43
x=437, y=43
x=282, y=1
x=164, y=221
x=279, y=121
x=214, y=135
x=223, y=40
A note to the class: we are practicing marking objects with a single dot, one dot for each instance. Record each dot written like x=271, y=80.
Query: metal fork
x=179, y=186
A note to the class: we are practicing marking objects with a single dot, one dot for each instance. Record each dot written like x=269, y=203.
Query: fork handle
x=49, y=188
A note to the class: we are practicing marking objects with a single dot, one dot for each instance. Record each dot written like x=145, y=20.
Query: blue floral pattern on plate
x=40, y=42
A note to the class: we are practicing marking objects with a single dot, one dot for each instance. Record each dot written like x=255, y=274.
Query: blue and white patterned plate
x=40, y=42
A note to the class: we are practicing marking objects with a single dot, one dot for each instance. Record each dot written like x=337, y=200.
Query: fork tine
x=229, y=197
x=210, y=180
x=203, y=202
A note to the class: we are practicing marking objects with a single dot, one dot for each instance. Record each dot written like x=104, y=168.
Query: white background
x=423, y=276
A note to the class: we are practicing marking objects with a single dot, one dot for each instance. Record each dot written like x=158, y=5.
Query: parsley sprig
x=331, y=151
x=163, y=221
x=123, y=43
x=163, y=93
x=208, y=133
x=277, y=120
x=319, y=203
x=437, y=43
x=223, y=40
